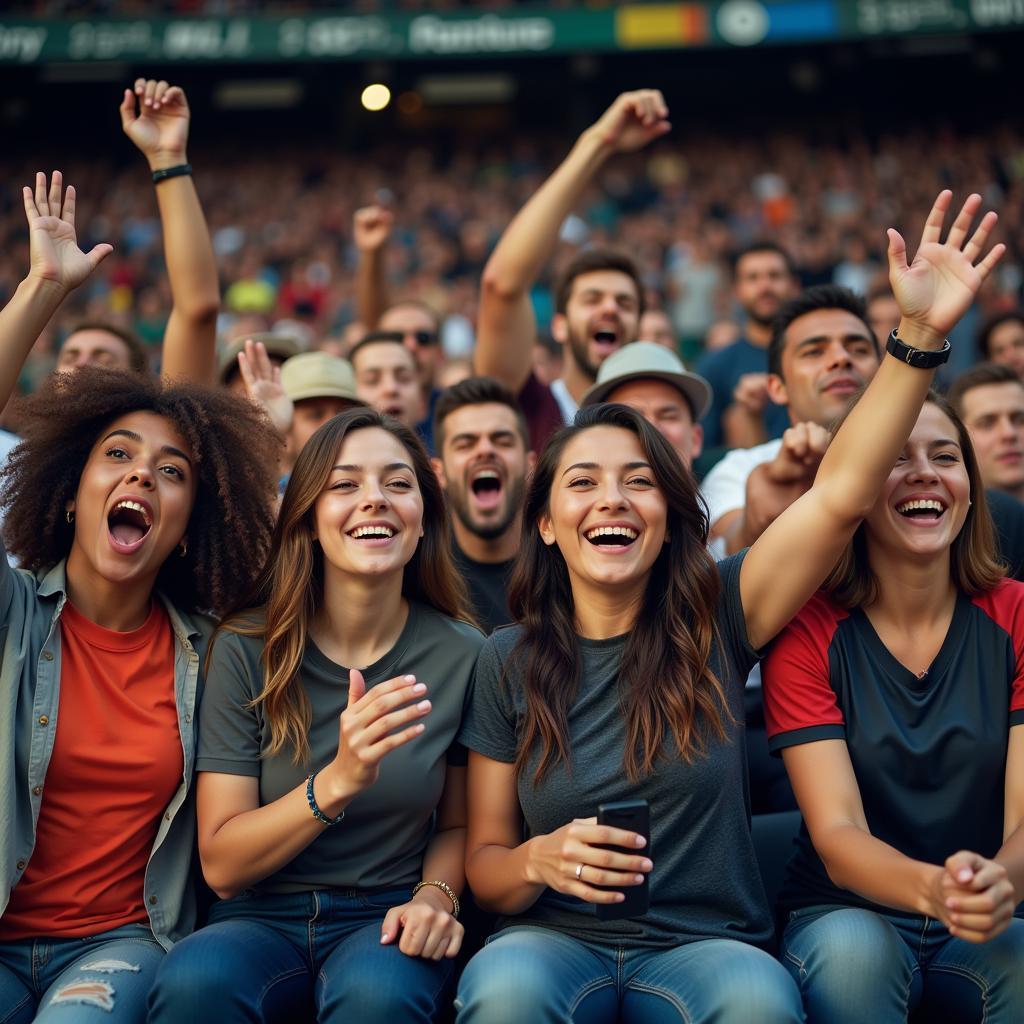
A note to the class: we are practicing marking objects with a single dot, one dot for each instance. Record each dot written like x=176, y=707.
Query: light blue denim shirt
x=30, y=607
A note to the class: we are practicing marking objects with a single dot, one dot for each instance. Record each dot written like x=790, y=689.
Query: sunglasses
x=423, y=338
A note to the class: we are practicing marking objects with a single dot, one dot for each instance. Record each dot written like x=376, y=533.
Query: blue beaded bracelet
x=314, y=807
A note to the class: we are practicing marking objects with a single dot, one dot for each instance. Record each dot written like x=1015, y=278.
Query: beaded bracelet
x=446, y=889
x=314, y=806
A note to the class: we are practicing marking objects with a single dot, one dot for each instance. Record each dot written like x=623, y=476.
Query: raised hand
x=569, y=860
x=634, y=120
x=367, y=729
x=803, y=447
x=263, y=385
x=53, y=243
x=155, y=116
x=938, y=287
x=371, y=227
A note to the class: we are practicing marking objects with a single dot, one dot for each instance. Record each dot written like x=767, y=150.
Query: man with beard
x=742, y=413
x=599, y=297
x=485, y=458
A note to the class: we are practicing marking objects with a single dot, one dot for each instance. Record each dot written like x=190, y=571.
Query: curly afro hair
x=235, y=456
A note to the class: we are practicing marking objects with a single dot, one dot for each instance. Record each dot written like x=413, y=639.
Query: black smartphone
x=633, y=816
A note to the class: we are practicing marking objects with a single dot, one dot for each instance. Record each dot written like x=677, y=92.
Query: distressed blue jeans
x=528, y=973
x=298, y=956
x=857, y=966
x=101, y=979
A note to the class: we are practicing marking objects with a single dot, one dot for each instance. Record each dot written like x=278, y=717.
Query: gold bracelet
x=446, y=889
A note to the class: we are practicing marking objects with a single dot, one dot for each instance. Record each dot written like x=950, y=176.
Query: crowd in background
x=282, y=231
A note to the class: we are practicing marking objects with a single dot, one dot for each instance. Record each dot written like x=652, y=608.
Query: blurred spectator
x=883, y=312
x=656, y=326
x=1002, y=341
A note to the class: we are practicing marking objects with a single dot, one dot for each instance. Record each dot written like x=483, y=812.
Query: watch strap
x=919, y=358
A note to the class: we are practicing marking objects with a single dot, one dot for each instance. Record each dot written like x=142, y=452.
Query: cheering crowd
x=306, y=652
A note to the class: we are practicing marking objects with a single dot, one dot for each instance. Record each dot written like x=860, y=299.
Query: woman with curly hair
x=354, y=918
x=128, y=504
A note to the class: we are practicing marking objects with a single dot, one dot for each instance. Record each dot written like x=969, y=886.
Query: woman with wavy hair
x=623, y=680
x=125, y=503
x=896, y=698
x=338, y=851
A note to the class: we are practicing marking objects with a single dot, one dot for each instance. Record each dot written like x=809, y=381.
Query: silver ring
x=579, y=871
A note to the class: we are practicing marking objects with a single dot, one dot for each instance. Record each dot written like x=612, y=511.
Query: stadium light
x=376, y=97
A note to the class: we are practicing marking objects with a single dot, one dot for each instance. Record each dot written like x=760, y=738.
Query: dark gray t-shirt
x=705, y=883
x=386, y=829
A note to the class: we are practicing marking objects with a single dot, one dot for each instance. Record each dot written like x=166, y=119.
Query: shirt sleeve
x=543, y=415
x=725, y=487
x=799, y=703
x=229, y=730
x=489, y=726
x=732, y=623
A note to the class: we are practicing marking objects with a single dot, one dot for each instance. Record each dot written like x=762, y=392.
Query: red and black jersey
x=929, y=752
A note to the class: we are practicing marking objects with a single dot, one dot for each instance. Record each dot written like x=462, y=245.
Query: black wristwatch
x=921, y=359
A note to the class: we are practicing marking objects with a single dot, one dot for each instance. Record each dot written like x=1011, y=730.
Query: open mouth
x=128, y=524
x=606, y=339
x=372, y=534
x=486, y=488
x=611, y=536
x=922, y=510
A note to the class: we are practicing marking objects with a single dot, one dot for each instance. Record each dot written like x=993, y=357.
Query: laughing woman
x=624, y=680
x=125, y=501
x=331, y=798
x=896, y=697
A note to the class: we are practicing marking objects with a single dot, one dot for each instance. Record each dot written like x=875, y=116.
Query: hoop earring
x=70, y=515
x=183, y=549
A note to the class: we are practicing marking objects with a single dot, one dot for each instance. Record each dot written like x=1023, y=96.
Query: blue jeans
x=293, y=956
x=101, y=978
x=528, y=973
x=856, y=966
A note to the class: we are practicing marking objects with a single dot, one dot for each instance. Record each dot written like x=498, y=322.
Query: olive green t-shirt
x=381, y=842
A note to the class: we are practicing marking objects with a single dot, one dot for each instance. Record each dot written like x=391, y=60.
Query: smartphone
x=633, y=816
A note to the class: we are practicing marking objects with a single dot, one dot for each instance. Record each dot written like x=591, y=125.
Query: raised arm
x=57, y=266
x=507, y=329
x=795, y=554
x=155, y=116
x=371, y=229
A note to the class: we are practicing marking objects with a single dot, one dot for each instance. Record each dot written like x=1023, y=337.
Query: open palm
x=939, y=286
x=53, y=243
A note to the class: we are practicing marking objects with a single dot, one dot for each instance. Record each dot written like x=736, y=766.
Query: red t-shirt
x=117, y=761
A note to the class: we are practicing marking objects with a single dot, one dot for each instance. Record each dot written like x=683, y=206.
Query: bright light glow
x=376, y=96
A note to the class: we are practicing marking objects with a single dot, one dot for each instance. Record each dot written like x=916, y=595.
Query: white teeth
x=372, y=531
x=612, y=531
x=486, y=474
x=925, y=504
x=135, y=507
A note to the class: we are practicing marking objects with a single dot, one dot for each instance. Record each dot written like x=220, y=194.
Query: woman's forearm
x=254, y=844
x=500, y=878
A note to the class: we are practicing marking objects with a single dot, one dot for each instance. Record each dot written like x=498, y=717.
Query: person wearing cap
x=320, y=387
x=652, y=379
x=279, y=347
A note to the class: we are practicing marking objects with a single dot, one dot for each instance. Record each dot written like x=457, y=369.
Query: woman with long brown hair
x=338, y=853
x=896, y=697
x=623, y=681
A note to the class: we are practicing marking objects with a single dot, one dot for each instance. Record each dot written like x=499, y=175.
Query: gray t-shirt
x=705, y=883
x=381, y=842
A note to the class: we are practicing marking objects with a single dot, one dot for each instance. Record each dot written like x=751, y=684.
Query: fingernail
x=424, y=705
x=419, y=688
x=619, y=897
x=647, y=865
x=410, y=679
x=638, y=879
x=640, y=841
